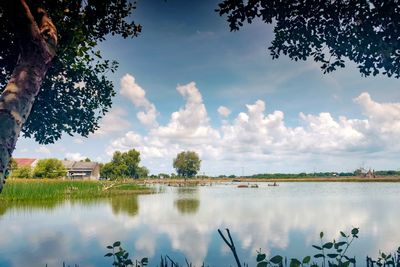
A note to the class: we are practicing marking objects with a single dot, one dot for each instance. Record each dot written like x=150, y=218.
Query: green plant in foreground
x=330, y=254
x=121, y=257
x=385, y=259
x=333, y=253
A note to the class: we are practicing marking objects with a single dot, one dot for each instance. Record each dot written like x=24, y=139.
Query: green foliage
x=364, y=32
x=124, y=165
x=22, y=172
x=331, y=253
x=187, y=163
x=75, y=93
x=142, y=172
x=385, y=259
x=121, y=257
x=55, y=189
x=49, y=168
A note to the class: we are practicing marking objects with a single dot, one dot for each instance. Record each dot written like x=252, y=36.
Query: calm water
x=184, y=221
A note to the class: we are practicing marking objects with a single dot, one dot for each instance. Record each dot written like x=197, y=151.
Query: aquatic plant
x=121, y=257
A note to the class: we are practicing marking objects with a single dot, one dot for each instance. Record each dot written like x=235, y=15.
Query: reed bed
x=55, y=189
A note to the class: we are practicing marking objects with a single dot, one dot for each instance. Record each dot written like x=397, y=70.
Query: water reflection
x=188, y=202
x=280, y=219
x=187, y=205
x=125, y=204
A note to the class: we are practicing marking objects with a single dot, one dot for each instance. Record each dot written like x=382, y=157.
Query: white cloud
x=224, y=111
x=78, y=141
x=255, y=135
x=74, y=156
x=136, y=94
x=43, y=150
x=113, y=122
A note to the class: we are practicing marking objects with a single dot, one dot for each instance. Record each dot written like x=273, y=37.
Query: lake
x=183, y=221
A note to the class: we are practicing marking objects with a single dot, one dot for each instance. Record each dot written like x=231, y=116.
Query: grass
x=55, y=189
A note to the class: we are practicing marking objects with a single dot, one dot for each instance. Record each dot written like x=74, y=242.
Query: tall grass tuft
x=51, y=189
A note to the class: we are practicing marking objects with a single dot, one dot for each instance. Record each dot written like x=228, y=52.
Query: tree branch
x=28, y=23
x=231, y=245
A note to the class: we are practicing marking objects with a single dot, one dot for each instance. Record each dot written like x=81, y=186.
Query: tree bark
x=38, y=41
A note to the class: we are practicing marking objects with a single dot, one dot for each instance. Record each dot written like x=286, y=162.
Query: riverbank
x=207, y=181
x=54, y=189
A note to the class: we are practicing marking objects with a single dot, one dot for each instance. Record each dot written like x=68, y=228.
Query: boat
x=254, y=186
x=274, y=184
x=243, y=186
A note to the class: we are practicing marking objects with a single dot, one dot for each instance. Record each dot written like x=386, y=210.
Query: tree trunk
x=37, y=48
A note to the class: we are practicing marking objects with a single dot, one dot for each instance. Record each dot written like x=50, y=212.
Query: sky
x=188, y=83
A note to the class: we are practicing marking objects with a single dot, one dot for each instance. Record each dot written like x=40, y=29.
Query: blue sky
x=187, y=82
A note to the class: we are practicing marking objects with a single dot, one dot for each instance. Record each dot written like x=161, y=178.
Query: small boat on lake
x=274, y=184
x=254, y=186
x=243, y=186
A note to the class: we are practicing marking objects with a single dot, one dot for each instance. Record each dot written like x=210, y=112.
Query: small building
x=26, y=162
x=82, y=170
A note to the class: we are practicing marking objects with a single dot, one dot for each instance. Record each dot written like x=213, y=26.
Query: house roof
x=24, y=162
x=78, y=165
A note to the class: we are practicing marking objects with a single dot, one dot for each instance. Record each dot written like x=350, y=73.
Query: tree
x=49, y=168
x=22, y=172
x=187, y=163
x=54, y=76
x=142, y=172
x=363, y=31
x=124, y=165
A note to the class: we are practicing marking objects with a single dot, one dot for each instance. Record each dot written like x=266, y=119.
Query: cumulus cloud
x=136, y=94
x=224, y=111
x=74, y=156
x=113, y=122
x=43, y=150
x=256, y=135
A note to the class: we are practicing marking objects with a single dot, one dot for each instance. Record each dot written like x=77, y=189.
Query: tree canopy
x=124, y=165
x=49, y=168
x=366, y=32
x=76, y=92
x=187, y=163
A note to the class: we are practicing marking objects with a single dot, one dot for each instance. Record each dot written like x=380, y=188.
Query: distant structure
x=82, y=170
x=369, y=174
x=26, y=162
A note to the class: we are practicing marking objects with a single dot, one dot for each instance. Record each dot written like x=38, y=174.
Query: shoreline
x=201, y=181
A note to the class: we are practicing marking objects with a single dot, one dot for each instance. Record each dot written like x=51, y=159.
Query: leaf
x=116, y=244
x=276, y=259
x=109, y=247
x=319, y=255
x=261, y=257
x=262, y=264
x=328, y=245
x=317, y=247
x=332, y=255
x=321, y=235
x=352, y=260
x=145, y=261
x=339, y=244
x=108, y=255
x=128, y=262
x=354, y=231
x=294, y=263
x=306, y=259
x=342, y=234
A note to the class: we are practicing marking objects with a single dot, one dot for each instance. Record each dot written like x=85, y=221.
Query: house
x=26, y=162
x=82, y=170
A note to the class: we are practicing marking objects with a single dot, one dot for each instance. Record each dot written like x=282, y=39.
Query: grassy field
x=54, y=189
